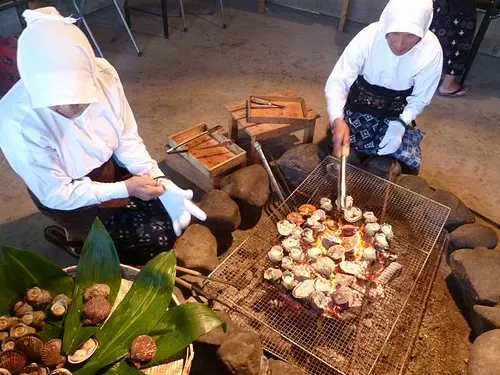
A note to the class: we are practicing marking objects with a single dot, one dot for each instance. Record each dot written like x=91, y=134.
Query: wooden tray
x=295, y=109
x=211, y=162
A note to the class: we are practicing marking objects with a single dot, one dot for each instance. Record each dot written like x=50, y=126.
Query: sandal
x=461, y=91
x=57, y=236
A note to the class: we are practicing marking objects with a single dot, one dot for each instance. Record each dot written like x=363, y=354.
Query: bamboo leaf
x=123, y=368
x=137, y=314
x=181, y=326
x=12, y=290
x=98, y=264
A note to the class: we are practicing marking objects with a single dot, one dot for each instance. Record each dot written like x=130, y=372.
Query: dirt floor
x=186, y=79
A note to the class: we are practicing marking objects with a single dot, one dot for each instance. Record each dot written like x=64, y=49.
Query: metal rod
x=225, y=142
x=122, y=17
x=181, y=4
x=209, y=131
x=198, y=274
x=86, y=25
x=263, y=159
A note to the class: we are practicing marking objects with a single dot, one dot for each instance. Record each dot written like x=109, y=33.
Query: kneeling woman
x=384, y=79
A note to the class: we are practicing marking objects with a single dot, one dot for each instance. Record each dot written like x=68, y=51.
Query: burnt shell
x=13, y=361
x=143, y=349
x=51, y=353
x=31, y=345
x=96, y=310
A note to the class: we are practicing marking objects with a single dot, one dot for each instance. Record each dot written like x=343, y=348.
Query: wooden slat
x=343, y=15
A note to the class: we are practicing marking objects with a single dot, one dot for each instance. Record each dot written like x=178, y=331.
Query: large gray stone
x=223, y=214
x=416, y=184
x=383, y=166
x=197, y=249
x=459, y=214
x=282, y=368
x=249, y=185
x=477, y=272
x=484, y=355
x=217, y=336
x=487, y=318
x=470, y=236
x=241, y=352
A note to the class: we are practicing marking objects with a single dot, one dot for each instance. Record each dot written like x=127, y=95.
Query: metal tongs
x=263, y=103
x=207, y=132
x=342, y=191
x=225, y=142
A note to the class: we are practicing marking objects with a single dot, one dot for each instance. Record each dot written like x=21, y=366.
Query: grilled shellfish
x=369, y=217
x=319, y=300
x=372, y=228
x=351, y=268
x=285, y=227
x=296, y=254
x=308, y=235
x=306, y=209
x=381, y=241
x=387, y=230
x=301, y=272
x=295, y=217
x=273, y=274
x=290, y=242
x=303, y=289
x=342, y=295
x=322, y=285
x=336, y=252
x=314, y=253
x=324, y=266
x=288, y=280
x=275, y=255
x=352, y=214
x=287, y=263
x=326, y=204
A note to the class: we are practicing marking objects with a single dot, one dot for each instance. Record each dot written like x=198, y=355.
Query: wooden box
x=294, y=109
x=213, y=162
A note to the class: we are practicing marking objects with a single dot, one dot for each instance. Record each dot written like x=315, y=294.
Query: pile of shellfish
x=326, y=259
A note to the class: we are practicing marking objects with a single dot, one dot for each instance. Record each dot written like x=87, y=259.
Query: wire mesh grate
x=287, y=327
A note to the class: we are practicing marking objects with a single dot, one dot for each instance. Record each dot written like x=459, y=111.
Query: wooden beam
x=261, y=6
x=343, y=15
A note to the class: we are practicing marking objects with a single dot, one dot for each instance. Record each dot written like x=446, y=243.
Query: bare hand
x=340, y=137
x=144, y=188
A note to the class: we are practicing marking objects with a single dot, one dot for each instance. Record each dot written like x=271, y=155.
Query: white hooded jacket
x=50, y=152
x=369, y=55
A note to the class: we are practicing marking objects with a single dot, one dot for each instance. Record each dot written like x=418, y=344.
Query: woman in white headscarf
x=68, y=131
x=384, y=79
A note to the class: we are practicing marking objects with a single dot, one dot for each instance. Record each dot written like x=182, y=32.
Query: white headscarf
x=407, y=16
x=55, y=60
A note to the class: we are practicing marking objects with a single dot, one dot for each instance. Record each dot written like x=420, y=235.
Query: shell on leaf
x=295, y=217
x=322, y=285
x=296, y=254
x=326, y=204
x=352, y=214
x=4, y=371
x=314, y=253
x=288, y=280
x=325, y=266
x=60, y=305
x=7, y=321
x=303, y=289
x=387, y=230
x=301, y=272
x=35, y=369
x=20, y=329
x=290, y=243
x=342, y=295
x=275, y=255
x=51, y=353
x=285, y=227
x=4, y=335
x=143, y=350
x=381, y=241
x=8, y=344
x=369, y=217
x=38, y=297
x=31, y=345
x=84, y=352
x=351, y=268
x=96, y=290
x=96, y=310
x=336, y=252
x=272, y=274
x=61, y=371
x=306, y=209
x=308, y=235
x=287, y=263
x=21, y=308
x=319, y=300
x=372, y=228
x=13, y=361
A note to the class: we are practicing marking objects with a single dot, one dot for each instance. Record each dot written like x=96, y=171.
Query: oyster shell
x=387, y=230
x=314, y=253
x=61, y=371
x=275, y=255
x=60, y=305
x=351, y=268
x=287, y=263
x=344, y=280
x=7, y=321
x=96, y=290
x=290, y=243
x=143, y=350
x=84, y=352
x=369, y=254
x=319, y=300
x=8, y=344
x=336, y=252
x=322, y=285
x=308, y=235
x=349, y=202
x=273, y=274
x=295, y=217
x=369, y=217
x=326, y=204
x=352, y=214
x=20, y=330
x=329, y=240
x=288, y=280
x=296, y=254
x=307, y=209
x=285, y=227
x=301, y=272
x=297, y=231
x=38, y=297
x=31, y=345
x=13, y=361
x=324, y=266
x=51, y=353
x=342, y=295
x=35, y=369
x=381, y=241
x=319, y=215
x=372, y=228
x=21, y=308
x=303, y=289
x=96, y=310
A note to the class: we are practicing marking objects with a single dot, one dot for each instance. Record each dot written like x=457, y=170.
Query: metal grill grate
x=286, y=327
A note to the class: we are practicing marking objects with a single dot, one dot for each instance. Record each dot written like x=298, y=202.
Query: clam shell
x=381, y=241
x=288, y=280
x=342, y=295
x=387, y=230
x=96, y=290
x=317, y=227
x=296, y=254
x=13, y=361
x=326, y=204
x=285, y=227
x=301, y=272
x=319, y=215
x=143, y=349
x=272, y=274
x=369, y=217
x=287, y=263
x=319, y=300
x=31, y=345
x=51, y=353
x=336, y=252
x=369, y=254
x=351, y=243
x=84, y=352
x=352, y=214
x=350, y=268
x=96, y=310
x=307, y=209
x=324, y=266
x=290, y=243
x=303, y=289
x=35, y=369
x=295, y=218
x=322, y=285
x=314, y=253
x=275, y=255
x=330, y=240
x=372, y=228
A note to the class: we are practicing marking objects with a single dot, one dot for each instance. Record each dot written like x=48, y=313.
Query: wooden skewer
x=199, y=274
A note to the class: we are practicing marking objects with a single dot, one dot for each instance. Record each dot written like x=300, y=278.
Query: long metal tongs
x=263, y=103
x=200, y=275
x=207, y=132
x=225, y=142
x=342, y=190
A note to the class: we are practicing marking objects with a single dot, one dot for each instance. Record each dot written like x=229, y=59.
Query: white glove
x=178, y=204
x=392, y=139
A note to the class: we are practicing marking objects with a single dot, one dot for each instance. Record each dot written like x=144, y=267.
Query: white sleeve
x=426, y=83
x=41, y=170
x=346, y=71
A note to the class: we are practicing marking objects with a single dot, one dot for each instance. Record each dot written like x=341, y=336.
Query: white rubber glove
x=178, y=204
x=392, y=139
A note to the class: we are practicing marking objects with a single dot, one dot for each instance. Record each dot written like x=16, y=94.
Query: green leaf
x=181, y=326
x=12, y=290
x=98, y=264
x=123, y=368
x=137, y=314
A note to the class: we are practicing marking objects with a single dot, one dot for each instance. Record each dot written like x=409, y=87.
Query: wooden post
x=232, y=129
x=261, y=6
x=343, y=15
x=309, y=133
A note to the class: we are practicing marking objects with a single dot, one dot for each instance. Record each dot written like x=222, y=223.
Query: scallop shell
x=20, y=330
x=287, y=263
x=96, y=290
x=352, y=214
x=21, y=308
x=297, y=231
x=288, y=280
x=319, y=215
x=143, y=349
x=319, y=300
x=84, y=352
x=369, y=217
x=342, y=295
x=275, y=255
x=314, y=253
x=369, y=254
x=387, y=230
x=372, y=228
x=336, y=252
x=273, y=274
x=307, y=209
x=324, y=266
x=285, y=227
x=322, y=285
x=295, y=218
x=344, y=280
x=35, y=369
x=61, y=371
x=13, y=361
x=38, y=297
x=296, y=254
x=351, y=268
x=51, y=353
x=301, y=272
x=290, y=243
x=330, y=240
x=326, y=204
x=8, y=344
x=96, y=310
x=381, y=241
x=303, y=289
x=31, y=345
x=349, y=202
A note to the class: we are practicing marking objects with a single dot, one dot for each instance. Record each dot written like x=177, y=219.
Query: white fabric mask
x=407, y=16
x=55, y=60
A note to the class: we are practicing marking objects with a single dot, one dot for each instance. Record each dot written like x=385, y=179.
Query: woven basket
x=178, y=367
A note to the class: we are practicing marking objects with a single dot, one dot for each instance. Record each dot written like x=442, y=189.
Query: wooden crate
x=214, y=162
x=294, y=109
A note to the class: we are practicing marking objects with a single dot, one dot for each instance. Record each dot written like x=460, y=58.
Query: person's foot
x=57, y=236
x=450, y=87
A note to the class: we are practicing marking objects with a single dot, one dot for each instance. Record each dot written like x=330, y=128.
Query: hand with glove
x=178, y=204
x=393, y=137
